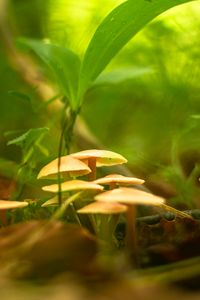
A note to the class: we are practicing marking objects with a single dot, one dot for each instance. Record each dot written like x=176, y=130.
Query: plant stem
x=66, y=134
x=75, y=214
x=59, y=213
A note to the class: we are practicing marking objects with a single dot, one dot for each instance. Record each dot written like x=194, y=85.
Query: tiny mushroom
x=9, y=204
x=103, y=208
x=116, y=179
x=98, y=158
x=106, y=225
x=68, y=165
x=130, y=197
x=73, y=185
x=68, y=186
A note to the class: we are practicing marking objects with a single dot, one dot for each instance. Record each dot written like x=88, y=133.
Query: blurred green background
x=151, y=114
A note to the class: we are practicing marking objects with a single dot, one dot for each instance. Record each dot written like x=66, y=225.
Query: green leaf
x=121, y=75
x=30, y=143
x=64, y=64
x=115, y=31
x=29, y=138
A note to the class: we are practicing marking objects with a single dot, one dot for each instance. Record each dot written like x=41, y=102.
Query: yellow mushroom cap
x=7, y=204
x=73, y=185
x=68, y=164
x=119, y=179
x=130, y=196
x=103, y=208
x=103, y=157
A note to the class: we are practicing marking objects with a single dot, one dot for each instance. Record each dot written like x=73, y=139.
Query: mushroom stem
x=92, y=166
x=131, y=239
x=3, y=217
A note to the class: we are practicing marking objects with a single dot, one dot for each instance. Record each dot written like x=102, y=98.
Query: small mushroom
x=130, y=197
x=68, y=165
x=116, y=179
x=73, y=185
x=8, y=204
x=106, y=223
x=68, y=186
x=103, y=208
x=98, y=158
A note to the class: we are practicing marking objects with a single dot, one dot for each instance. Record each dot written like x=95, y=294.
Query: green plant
x=74, y=76
x=32, y=147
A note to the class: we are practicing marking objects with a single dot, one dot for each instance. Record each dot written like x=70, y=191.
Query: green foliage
x=155, y=106
x=63, y=63
x=146, y=106
x=112, y=34
x=30, y=139
x=32, y=148
x=115, y=31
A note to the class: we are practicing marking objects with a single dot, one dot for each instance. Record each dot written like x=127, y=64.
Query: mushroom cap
x=103, y=157
x=130, y=196
x=73, y=185
x=103, y=208
x=8, y=204
x=119, y=179
x=68, y=164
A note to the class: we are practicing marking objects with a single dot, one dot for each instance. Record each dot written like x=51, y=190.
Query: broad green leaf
x=121, y=75
x=64, y=64
x=115, y=31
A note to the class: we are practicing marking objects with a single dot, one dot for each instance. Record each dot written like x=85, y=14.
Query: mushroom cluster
x=83, y=163
x=77, y=164
x=119, y=199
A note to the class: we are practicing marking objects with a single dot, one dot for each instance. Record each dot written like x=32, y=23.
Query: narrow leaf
x=115, y=31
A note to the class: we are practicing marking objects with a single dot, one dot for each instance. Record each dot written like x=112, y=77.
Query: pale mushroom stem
x=131, y=238
x=92, y=166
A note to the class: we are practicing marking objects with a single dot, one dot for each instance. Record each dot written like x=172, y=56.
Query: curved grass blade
x=177, y=212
